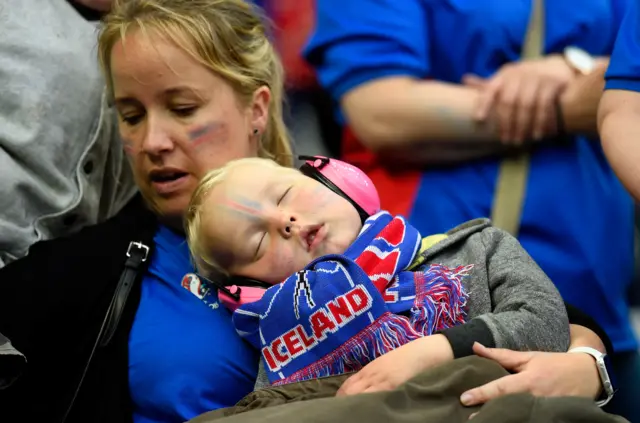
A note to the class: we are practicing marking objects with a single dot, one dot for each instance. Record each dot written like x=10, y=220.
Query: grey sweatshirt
x=512, y=303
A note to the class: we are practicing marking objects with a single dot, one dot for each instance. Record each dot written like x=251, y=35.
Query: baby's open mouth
x=312, y=236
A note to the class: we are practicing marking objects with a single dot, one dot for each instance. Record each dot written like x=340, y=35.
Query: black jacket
x=52, y=306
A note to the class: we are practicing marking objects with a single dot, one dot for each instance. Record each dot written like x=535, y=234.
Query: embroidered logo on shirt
x=192, y=283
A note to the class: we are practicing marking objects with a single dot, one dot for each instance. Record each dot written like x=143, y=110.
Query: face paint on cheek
x=322, y=196
x=212, y=133
x=248, y=209
x=128, y=147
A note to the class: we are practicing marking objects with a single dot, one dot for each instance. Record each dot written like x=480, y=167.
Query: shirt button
x=70, y=219
x=88, y=167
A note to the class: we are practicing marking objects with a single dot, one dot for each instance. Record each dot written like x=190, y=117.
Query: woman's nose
x=156, y=139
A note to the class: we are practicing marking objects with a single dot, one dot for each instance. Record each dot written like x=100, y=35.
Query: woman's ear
x=259, y=109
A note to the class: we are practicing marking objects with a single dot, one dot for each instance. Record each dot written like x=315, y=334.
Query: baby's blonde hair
x=201, y=251
x=227, y=36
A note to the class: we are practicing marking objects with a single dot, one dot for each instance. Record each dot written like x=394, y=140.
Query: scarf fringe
x=440, y=299
x=387, y=333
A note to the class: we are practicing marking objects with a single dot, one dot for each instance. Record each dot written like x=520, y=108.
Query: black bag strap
x=137, y=254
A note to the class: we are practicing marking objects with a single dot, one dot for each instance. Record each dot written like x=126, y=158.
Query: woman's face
x=178, y=120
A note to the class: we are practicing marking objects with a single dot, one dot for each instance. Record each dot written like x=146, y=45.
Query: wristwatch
x=605, y=379
x=579, y=60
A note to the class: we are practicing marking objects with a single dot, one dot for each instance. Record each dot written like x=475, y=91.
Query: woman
x=438, y=86
x=196, y=84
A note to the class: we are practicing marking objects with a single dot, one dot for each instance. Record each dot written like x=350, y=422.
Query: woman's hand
x=541, y=374
x=522, y=96
x=396, y=367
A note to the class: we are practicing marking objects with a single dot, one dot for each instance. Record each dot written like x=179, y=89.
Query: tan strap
x=513, y=174
x=508, y=199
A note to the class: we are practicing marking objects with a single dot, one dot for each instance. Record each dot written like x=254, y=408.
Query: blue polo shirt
x=185, y=357
x=624, y=69
x=577, y=221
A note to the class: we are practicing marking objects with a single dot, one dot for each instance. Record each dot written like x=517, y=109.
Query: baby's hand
x=396, y=367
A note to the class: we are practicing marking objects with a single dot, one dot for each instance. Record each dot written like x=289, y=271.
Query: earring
x=255, y=131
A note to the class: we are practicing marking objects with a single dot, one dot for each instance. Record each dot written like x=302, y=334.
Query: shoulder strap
x=137, y=254
x=513, y=174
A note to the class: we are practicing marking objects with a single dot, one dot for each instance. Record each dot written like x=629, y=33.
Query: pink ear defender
x=238, y=290
x=345, y=180
x=342, y=178
x=244, y=295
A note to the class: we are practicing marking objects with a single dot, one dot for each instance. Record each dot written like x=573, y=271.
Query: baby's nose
x=289, y=227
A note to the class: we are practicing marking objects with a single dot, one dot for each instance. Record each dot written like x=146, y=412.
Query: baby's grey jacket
x=512, y=302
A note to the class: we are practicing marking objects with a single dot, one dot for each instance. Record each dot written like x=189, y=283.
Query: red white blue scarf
x=343, y=311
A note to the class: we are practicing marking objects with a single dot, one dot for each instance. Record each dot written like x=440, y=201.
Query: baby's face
x=267, y=222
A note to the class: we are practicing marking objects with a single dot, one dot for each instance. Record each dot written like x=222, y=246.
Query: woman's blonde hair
x=227, y=36
x=200, y=249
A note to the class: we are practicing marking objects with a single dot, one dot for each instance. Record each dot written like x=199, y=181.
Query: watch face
x=579, y=59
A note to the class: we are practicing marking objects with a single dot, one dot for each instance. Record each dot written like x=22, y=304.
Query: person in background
x=309, y=114
x=619, y=111
x=61, y=161
x=61, y=164
x=429, y=92
x=618, y=115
